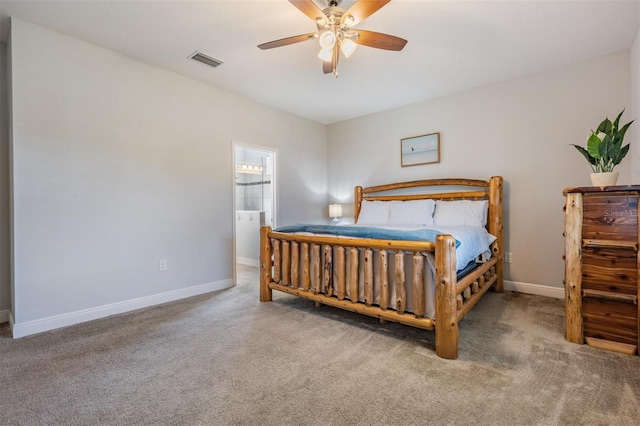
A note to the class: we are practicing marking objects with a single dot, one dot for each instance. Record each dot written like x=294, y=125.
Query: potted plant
x=605, y=151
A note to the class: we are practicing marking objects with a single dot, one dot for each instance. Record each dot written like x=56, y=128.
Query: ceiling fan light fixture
x=327, y=40
x=334, y=32
x=347, y=46
x=326, y=55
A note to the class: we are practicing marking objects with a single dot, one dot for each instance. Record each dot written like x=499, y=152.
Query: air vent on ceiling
x=207, y=60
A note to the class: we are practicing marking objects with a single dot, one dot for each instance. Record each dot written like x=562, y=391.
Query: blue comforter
x=366, y=232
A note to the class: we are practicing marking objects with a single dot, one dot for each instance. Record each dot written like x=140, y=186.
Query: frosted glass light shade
x=327, y=40
x=347, y=46
x=326, y=55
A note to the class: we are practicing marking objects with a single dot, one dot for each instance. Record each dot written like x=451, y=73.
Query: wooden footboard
x=335, y=270
x=306, y=266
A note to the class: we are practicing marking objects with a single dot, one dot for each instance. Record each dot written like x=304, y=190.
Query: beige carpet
x=225, y=358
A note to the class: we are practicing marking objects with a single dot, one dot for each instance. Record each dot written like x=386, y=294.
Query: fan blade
x=332, y=67
x=379, y=40
x=287, y=41
x=362, y=9
x=309, y=8
x=327, y=67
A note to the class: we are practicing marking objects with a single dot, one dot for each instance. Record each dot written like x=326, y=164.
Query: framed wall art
x=422, y=149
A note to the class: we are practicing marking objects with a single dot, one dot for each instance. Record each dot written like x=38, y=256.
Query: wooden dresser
x=601, y=266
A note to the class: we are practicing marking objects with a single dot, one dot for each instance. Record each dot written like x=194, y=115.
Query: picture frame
x=421, y=149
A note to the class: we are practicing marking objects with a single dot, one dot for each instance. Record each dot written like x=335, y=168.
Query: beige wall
x=118, y=164
x=634, y=130
x=519, y=129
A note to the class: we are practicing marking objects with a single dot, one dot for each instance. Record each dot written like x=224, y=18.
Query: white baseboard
x=57, y=321
x=248, y=261
x=540, y=290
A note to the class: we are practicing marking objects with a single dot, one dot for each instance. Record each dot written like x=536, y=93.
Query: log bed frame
x=281, y=255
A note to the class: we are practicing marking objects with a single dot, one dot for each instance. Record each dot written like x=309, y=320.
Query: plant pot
x=604, y=179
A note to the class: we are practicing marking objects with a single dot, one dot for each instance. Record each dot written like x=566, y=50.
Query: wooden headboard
x=476, y=189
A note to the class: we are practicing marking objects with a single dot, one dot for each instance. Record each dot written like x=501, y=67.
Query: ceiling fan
x=335, y=32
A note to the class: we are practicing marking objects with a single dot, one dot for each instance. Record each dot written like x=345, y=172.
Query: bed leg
x=447, y=331
x=265, y=264
x=496, y=225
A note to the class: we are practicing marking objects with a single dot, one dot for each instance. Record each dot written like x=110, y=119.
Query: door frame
x=274, y=179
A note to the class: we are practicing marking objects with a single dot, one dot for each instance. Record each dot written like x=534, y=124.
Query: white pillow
x=460, y=213
x=412, y=212
x=374, y=213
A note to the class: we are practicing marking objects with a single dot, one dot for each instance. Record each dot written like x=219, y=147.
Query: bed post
x=357, y=202
x=447, y=331
x=495, y=226
x=265, y=264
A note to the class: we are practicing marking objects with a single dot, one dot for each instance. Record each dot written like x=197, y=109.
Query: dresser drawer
x=610, y=269
x=610, y=216
x=608, y=320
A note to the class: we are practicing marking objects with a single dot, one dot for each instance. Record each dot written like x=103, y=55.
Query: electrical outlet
x=162, y=265
x=507, y=258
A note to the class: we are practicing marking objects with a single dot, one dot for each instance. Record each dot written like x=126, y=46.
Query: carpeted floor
x=227, y=359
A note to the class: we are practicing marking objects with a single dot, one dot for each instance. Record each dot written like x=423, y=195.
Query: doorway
x=254, y=193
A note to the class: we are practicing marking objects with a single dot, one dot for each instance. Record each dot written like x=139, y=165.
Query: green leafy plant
x=604, y=147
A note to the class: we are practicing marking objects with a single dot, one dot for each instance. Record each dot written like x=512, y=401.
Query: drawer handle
x=614, y=297
x=610, y=244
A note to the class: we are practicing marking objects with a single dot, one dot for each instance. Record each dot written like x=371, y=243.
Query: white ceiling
x=453, y=45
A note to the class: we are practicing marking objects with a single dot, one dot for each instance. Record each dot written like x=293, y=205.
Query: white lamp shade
x=326, y=55
x=348, y=46
x=335, y=210
x=327, y=40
